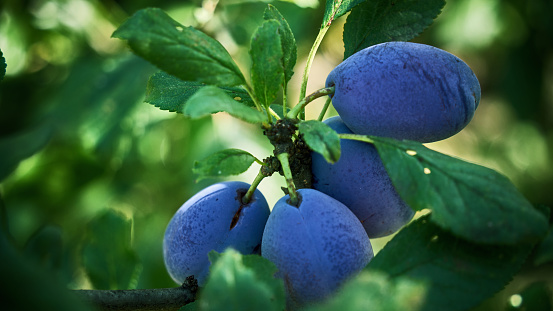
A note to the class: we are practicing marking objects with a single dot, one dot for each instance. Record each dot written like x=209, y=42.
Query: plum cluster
x=397, y=89
x=316, y=244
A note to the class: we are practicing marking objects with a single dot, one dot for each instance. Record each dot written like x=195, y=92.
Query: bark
x=159, y=299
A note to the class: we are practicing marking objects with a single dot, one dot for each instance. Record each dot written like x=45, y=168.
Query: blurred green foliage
x=71, y=103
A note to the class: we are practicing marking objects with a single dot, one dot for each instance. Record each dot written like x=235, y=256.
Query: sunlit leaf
x=267, y=66
x=168, y=92
x=184, y=52
x=288, y=42
x=472, y=201
x=223, y=163
x=210, y=99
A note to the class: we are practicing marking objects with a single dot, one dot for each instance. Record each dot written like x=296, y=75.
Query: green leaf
x=28, y=286
x=288, y=42
x=184, y=52
x=237, y=283
x=458, y=274
x=544, y=250
x=223, y=163
x=46, y=247
x=168, y=92
x=108, y=258
x=21, y=145
x=210, y=99
x=267, y=62
x=337, y=8
x=377, y=21
x=321, y=138
x=4, y=223
x=372, y=290
x=2, y=66
x=472, y=201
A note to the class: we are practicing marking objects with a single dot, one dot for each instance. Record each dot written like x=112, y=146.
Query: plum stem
x=248, y=196
x=325, y=108
x=309, y=98
x=310, y=59
x=285, y=163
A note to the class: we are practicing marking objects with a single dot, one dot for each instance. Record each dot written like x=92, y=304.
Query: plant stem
x=248, y=196
x=362, y=138
x=274, y=114
x=284, y=162
x=311, y=97
x=310, y=59
x=269, y=118
x=325, y=108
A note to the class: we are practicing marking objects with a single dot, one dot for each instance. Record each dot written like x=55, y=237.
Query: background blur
x=75, y=97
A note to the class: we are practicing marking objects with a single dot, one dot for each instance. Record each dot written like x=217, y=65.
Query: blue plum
x=213, y=219
x=360, y=181
x=316, y=246
x=405, y=90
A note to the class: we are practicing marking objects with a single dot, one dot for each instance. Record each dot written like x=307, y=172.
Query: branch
x=293, y=113
x=159, y=299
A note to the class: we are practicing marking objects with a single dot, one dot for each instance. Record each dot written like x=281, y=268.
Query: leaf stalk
x=362, y=138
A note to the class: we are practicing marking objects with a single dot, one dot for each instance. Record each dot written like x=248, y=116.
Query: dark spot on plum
x=362, y=221
x=239, y=196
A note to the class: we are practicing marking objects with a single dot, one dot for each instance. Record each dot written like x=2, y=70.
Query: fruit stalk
x=285, y=163
x=247, y=197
